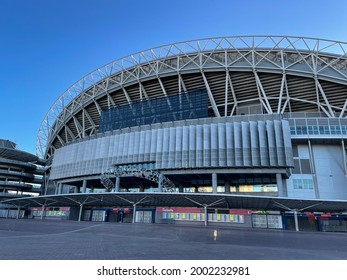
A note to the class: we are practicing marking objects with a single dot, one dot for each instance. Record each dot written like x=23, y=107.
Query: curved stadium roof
x=280, y=73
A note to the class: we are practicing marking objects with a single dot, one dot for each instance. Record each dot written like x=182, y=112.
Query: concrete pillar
x=180, y=188
x=227, y=187
x=117, y=184
x=214, y=182
x=196, y=189
x=84, y=186
x=279, y=182
x=142, y=188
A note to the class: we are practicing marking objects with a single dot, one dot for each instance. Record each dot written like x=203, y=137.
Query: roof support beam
x=181, y=83
x=233, y=94
x=263, y=99
x=343, y=109
x=321, y=91
x=281, y=93
x=126, y=95
x=78, y=126
x=210, y=95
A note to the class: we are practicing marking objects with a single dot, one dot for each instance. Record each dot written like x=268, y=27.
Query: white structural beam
x=126, y=95
x=343, y=109
x=322, y=93
x=281, y=93
x=210, y=95
x=181, y=84
x=264, y=98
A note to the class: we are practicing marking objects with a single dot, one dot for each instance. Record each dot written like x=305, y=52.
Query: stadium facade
x=246, y=117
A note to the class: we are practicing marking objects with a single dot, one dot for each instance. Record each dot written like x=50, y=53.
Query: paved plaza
x=71, y=240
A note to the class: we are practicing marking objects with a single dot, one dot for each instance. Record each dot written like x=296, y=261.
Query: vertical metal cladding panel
x=222, y=156
x=165, y=150
x=147, y=151
x=230, y=144
x=178, y=149
x=246, y=144
x=115, y=148
x=214, y=145
x=125, y=148
x=120, y=148
x=81, y=162
x=192, y=146
x=159, y=151
x=279, y=143
x=104, y=152
x=153, y=150
x=131, y=145
x=137, y=144
x=76, y=167
x=238, y=144
x=185, y=147
x=271, y=143
x=199, y=146
x=255, y=151
x=92, y=151
x=207, y=145
x=172, y=147
x=142, y=143
x=263, y=144
x=110, y=152
x=287, y=143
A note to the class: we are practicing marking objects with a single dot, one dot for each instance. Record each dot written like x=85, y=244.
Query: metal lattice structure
x=132, y=170
x=279, y=74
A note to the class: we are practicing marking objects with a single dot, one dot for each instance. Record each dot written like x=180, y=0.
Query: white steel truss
x=300, y=57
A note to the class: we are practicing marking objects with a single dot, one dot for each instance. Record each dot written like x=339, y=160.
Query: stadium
x=245, y=131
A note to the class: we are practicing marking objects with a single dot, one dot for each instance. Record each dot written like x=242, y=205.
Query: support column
x=296, y=220
x=279, y=182
x=196, y=189
x=206, y=216
x=160, y=186
x=134, y=213
x=214, y=182
x=227, y=187
x=43, y=211
x=180, y=188
x=313, y=169
x=18, y=212
x=84, y=186
x=117, y=186
x=8, y=213
x=80, y=213
x=142, y=188
x=60, y=188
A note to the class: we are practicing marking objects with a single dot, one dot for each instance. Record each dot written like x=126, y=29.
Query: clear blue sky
x=47, y=45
